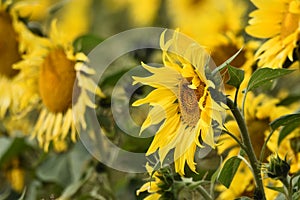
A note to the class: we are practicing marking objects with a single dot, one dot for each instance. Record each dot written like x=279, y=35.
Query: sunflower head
x=188, y=111
x=56, y=80
x=61, y=80
x=282, y=32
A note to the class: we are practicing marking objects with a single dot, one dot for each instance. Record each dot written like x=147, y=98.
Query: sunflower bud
x=278, y=168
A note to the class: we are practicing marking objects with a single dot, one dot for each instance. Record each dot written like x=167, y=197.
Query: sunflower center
x=56, y=81
x=289, y=24
x=188, y=102
x=9, y=53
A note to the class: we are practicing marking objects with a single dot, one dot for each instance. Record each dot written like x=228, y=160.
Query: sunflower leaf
x=285, y=131
x=228, y=171
x=286, y=120
x=86, y=43
x=236, y=76
x=278, y=189
x=289, y=122
x=263, y=76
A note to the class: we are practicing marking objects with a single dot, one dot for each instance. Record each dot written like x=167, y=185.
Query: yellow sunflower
x=141, y=13
x=277, y=21
x=15, y=174
x=55, y=70
x=187, y=108
x=152, y=186
x=259, y=114
x=207, y=20
x=15, y=46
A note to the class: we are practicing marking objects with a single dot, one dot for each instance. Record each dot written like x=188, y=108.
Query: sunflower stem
x=249, y=148
x=204, y=193
x=236, y=139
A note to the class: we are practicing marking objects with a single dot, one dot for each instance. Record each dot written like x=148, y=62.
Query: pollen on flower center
x=188, y=102
x=56, y=81
x=9, y=53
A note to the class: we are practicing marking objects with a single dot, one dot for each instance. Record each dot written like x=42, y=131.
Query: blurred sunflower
x=141, y=13
x=277, y=21
x=187, y=107
x=58, y=69
x=229, y=45
x=15, y=45
x=15, y=174
x=207, y=20
x=258, y=115
x=36, y=10
x=153, y=185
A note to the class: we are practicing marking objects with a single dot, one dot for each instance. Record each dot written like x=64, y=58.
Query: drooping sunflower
x=182, y=100
x=258, y=115
x=277, y=21
x=15, y=45
x=57, y=69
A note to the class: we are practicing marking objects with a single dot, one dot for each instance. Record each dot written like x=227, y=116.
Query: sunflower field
x=149, y=99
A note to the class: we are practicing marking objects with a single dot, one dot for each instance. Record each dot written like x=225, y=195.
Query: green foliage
x=86, y=43
x=263, y=76
x=236, y=76
x=228, y=171
x=289, y=123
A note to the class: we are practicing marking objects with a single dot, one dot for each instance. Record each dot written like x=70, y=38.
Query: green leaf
x=285, y=120
x=289, y=100
x=265, y=75
x=55, y=169
x=296, y=195
x=243, y=198
x=12, y=149
x=289, y=122
x=86, y=43
x=228, y=171
x=236, y=76
x=278, y=189
x=75, y=186
x=285, y=131
x=5, y=143
x=226, y=63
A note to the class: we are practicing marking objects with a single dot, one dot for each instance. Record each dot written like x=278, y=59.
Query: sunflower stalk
x=249, y=148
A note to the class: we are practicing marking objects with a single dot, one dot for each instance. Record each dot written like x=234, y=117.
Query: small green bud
x=278, y=168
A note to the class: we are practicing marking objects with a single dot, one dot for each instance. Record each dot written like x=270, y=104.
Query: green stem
x=288, y=187
x=236, y=96
x=244, y=102
x=236, y=139
x=249, y=148
x=204, y=193
x=262, y=153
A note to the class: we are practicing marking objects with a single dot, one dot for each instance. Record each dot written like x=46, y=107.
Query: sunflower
x=277, y=21
x=15, y=46
x=258, y=115
x=141, y=13
x=153, y=185
x=56, y=69
x=229, y=45
x=187, y=108
x=15, y=174
x=207, y=20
